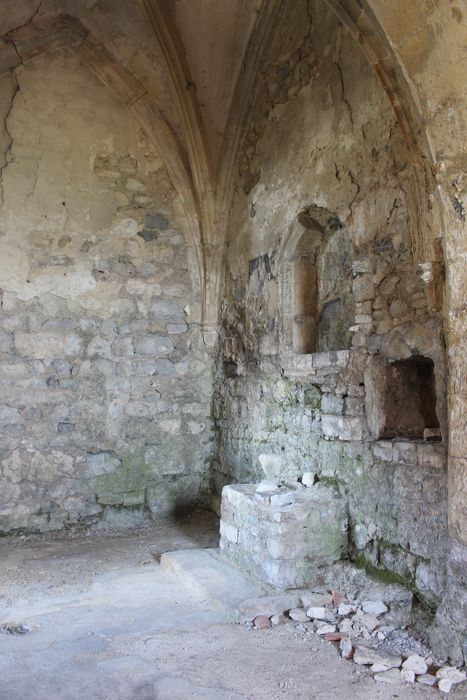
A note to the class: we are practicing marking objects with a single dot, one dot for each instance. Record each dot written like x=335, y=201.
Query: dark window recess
x=305, y=304
x=323, y=309
x=409, y=402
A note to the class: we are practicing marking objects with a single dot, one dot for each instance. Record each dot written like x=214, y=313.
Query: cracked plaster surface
x=104, y=380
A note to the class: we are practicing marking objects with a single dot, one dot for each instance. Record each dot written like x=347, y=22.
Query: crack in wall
x=28, y=21
x=337, y=61
x=395, y=205
x=355, y=184
x=343, y=96
x=7, y=146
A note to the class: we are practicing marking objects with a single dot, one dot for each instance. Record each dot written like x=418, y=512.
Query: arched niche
x=317, y=307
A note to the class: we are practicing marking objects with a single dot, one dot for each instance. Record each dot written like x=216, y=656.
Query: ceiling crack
x=343, y=95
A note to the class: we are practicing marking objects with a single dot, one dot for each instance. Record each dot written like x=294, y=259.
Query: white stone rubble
x=426, y=679
x=357, y=627
x=308, y=479
x=391, y=676
x=318, y=613
x=374, y=607
x=415, y=663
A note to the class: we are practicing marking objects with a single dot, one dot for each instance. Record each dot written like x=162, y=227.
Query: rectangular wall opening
x=401, y=399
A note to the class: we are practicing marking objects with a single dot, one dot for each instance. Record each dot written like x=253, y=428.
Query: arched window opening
x=318, y=306
x=305, y=286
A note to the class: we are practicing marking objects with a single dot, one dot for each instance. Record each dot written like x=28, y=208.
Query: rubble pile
x=367, y=631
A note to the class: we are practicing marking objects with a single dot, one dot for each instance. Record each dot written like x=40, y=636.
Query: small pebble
x=346, y=648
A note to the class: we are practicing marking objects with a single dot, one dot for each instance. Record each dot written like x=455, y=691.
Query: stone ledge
x=412, y=452
x=213, y=579
x=295, y=365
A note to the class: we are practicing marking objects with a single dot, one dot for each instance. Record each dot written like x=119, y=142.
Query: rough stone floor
x=106, y=621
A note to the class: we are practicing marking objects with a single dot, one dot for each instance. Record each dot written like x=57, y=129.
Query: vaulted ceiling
x=188, y=70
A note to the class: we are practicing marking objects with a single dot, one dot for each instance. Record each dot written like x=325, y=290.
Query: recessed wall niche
x=316, y=295
x=400, y=399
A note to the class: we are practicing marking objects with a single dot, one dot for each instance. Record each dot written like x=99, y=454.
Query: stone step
x=213, y=579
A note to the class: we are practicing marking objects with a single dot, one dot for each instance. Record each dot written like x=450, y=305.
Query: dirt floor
x=106, y=621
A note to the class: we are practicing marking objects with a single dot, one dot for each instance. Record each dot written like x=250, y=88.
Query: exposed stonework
x=105, y=384
x=310, y=182
x=312, y=411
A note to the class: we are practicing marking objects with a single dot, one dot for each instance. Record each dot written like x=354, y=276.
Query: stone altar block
x=283, y=535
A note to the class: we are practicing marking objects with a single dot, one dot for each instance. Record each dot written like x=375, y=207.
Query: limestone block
x=319, y=613
x=48, y=345
x=99, y=346
x=383, y=450
x=353, y=406
x=98, y=463
x=334, y=358
x=153, y=345
x=331, y=425
x=426, y=679
x=172, y=426
x=431, y=456
x=286, y=498
x=141, y=409
x=342, y=427
x=332, y=404
x=167, y=310
x=363, y=288
x=405, y=452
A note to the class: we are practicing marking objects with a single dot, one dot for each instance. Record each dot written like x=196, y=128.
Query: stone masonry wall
x=105, y=387
x=327, y=139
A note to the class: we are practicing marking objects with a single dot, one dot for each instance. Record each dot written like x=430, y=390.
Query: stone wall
x=344, y=160
x=104, y=383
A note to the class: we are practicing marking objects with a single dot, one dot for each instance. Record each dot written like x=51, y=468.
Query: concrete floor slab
x=128, y=630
